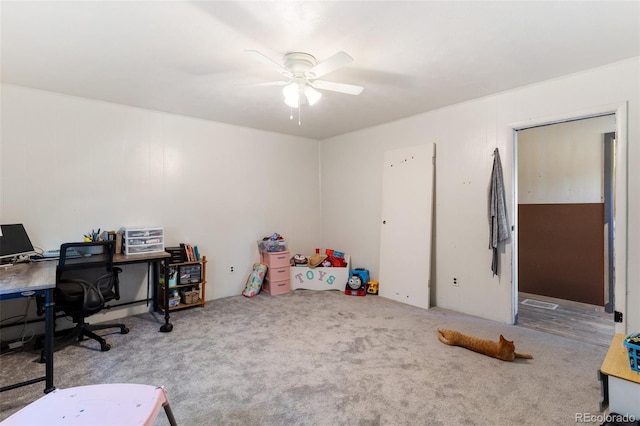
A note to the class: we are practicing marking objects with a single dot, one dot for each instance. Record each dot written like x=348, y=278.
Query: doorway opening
x=564, y=181
x=574, y=320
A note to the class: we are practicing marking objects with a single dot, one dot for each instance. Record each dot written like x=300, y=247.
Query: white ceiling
x=188, y=57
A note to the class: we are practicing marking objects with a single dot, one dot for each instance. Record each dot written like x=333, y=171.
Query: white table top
x=107, y=404
x=24, y=277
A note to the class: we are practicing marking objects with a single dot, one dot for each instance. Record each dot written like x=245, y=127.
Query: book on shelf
x=191, y=253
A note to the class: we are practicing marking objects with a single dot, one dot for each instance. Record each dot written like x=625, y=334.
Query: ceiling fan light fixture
x=291, y=94
x=302, y=70
x=293, y=102
x=312, y=94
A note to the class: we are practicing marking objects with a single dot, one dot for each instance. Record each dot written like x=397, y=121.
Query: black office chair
x=85, y=281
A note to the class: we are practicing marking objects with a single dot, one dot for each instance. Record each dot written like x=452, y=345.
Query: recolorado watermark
x=602, y=418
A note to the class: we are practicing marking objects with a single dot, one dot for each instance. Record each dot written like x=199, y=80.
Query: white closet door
x=405, y=240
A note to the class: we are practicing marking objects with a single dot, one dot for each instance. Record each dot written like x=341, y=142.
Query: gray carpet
x=323, y=358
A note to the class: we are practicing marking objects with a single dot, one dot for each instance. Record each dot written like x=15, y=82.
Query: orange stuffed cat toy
x=503, y=349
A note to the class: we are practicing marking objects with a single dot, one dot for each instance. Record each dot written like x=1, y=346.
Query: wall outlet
x=456, y=282
x=231, y=269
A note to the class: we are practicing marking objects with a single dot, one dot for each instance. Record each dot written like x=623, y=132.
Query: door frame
x=621, y=205
x=609, y=146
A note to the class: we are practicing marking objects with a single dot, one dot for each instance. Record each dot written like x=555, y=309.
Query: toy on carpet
x=357, y=284
x=372, y=287
x=254, y=282
x=503, y=349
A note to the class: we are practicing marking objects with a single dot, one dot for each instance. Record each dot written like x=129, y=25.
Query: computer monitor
x=14, y=241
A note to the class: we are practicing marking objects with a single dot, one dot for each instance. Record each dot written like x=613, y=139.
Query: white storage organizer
x=142, y=239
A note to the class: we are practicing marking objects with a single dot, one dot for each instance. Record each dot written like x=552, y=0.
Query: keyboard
x=56, y=253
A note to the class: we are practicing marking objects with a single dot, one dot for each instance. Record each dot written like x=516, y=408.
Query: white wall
x=564, y=162
x=465, y=136
x=54, y=147
x=68, y=165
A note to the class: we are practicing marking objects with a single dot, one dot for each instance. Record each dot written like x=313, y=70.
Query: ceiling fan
x=302, y=71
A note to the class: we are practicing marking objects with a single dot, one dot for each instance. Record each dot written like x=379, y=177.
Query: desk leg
x=167, y=326
x=48, y=339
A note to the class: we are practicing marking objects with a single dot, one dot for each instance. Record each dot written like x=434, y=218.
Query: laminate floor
x=574, y=320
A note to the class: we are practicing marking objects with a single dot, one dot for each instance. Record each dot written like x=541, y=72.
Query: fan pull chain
x=291, y=115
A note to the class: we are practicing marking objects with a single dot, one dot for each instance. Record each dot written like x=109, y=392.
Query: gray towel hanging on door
x=498, y=225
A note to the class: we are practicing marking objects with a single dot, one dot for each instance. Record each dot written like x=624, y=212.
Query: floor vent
x=539, y=304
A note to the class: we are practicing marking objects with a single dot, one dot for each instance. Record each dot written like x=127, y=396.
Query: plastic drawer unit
x=142, y=239
x=277, y=280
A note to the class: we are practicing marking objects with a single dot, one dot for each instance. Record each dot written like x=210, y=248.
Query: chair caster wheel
x=124, y=330
x=105, y=347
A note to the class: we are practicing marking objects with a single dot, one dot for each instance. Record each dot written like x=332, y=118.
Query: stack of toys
x=334, y=258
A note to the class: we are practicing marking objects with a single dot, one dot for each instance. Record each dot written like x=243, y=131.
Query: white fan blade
x=271, y=83
x=266, y=83
x=336, y=61
x=349, y=89
x=268, y=61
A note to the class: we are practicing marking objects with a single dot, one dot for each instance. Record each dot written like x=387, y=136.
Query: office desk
x=154, y=260
x=33, y=279
x=39, y=278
